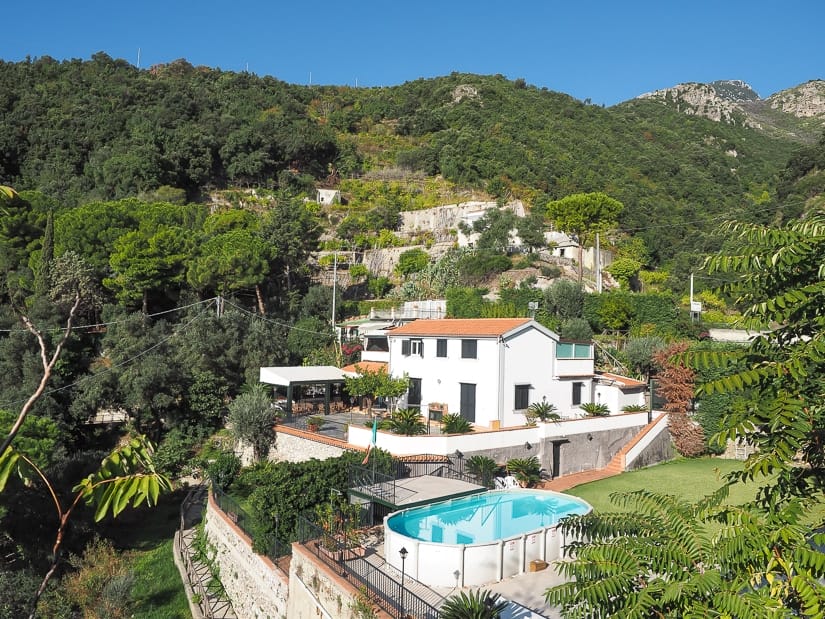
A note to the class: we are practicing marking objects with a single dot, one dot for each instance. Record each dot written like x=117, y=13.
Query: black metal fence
x=237, y=514
x=320, y=425
x=362, y=569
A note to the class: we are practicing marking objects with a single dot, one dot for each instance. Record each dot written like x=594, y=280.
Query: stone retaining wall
x=316, y=591
x=257, y=588
x=295, y=448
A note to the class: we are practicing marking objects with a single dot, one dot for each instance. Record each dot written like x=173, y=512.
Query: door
x=414, y=393
x=468, y=401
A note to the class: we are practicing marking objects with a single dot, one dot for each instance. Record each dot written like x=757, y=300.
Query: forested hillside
x=102, y=129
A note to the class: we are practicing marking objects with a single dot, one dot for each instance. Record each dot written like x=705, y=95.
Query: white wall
x=527, y=359
x=617, y=399
x=440, y=376
x=481, y=441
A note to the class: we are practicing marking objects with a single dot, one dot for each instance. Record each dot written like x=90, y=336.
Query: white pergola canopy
x=303, y=375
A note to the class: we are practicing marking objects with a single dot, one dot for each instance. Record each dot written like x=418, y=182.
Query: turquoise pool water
x=487, y=517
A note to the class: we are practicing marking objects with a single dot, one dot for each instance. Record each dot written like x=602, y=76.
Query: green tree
x=625, y=271
x=230, y=262
x=412, y=261
x=371, y=384
x=583, y=215
x=576, y=329
x=252, y=419
x=145, y=261
x=640, y=352
x=767, y=559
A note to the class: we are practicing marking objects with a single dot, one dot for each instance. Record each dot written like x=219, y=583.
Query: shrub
x=479, y=604
x=482, y=468
x=594, y=409
x=551, y=272
x=454, y=423
x=634, y=408
x=253, y=420
x=408, y=422
x=541, y=411
x=526, y=470
x=224, y=470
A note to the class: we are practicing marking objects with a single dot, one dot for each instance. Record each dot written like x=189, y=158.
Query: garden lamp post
x=403, y=553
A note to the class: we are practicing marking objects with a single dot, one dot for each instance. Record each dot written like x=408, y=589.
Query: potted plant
x=340, y=538
x=482, y=468
x=526, y=470
x=542, y=411
x=593, y=409
x=315, y=423
x=454, y=423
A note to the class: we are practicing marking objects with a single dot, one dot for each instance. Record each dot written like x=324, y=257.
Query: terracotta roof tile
x=371, y=366
x=622, y=381
x=467, y=327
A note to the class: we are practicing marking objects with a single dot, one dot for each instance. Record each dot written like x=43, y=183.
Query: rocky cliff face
x=805, y=101
x=798, y=111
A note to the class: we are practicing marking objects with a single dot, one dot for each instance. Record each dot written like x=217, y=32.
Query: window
x=469, y=349
x=405, y=348
x=468, y=401
x=417, y=347
x=577, y=393
x=522, y=397
x=573, y=350
x=378, y=344
x=441, y=348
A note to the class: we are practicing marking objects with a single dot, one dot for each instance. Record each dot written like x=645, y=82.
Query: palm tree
x=482, y=468
x=479, y=604
x=407, y=421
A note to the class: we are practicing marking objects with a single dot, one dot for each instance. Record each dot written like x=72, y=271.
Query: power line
x=95, y=375
x=113, y=322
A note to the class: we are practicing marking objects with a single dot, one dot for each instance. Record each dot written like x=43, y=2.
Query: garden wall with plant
x=256, y=586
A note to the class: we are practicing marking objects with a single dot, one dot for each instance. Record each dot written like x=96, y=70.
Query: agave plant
x=479, y=604
x=541, y=411
x=453, y=423
x=594, y=409
x=526, y=470
x=408, y=422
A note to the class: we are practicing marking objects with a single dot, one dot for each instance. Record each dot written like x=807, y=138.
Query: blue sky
x=605, y=51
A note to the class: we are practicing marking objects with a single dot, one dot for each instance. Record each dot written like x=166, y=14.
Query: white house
x=618, y=391
x=328, y=196
x=490, y=369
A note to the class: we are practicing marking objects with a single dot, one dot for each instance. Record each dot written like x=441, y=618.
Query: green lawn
x=690, y=479
x=146, y=535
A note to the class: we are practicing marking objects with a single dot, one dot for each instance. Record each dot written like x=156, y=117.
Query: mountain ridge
x=797, y=112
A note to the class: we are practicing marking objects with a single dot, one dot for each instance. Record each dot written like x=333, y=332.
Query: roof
x=301, y=374
x=623, y=382
x=461, y=327
x=371, y=366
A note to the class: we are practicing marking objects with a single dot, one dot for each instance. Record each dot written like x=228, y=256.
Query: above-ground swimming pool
x=480, y=538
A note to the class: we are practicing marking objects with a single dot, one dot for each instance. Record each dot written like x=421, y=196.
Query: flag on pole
x=373, y=441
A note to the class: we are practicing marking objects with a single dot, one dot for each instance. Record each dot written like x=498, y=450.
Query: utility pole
x=598, y=266
x=334, y=284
